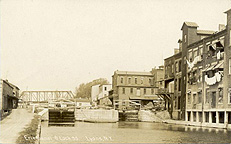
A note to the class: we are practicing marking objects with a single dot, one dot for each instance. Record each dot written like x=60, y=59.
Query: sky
x=59, y=44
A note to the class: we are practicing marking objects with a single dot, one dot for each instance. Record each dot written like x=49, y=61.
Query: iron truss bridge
x=44, y=96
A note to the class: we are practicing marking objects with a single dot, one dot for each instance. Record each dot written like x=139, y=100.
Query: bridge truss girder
x=40, y=96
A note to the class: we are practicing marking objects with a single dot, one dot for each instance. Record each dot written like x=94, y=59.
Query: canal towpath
x=12, y=125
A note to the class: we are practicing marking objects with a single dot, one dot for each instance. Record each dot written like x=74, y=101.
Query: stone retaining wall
x=149, y=116
x=96, y=114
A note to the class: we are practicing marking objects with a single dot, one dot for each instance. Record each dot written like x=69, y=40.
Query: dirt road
x=13, y=124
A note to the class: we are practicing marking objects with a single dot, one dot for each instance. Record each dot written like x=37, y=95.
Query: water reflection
x=144, y=132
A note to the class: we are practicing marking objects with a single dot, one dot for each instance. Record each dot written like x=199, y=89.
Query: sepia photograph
x=115, y=71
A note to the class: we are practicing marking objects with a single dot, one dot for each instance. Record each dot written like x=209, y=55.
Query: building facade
x=94, y=93
x=207, y=76
x=82, y=102
x=133, y=86
x=8, y=97
x=100, y=94
x=171, y=90
x=190, y=34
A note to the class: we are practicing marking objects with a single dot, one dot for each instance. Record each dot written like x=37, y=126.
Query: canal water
x=132, y=132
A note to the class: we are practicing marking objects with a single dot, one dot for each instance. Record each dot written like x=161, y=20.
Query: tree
x=84, y=90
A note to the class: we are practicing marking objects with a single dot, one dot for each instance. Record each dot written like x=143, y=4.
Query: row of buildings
x=195, y=82
x=9, y=96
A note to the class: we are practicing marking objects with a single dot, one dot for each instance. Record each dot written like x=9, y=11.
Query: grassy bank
x=29, y=134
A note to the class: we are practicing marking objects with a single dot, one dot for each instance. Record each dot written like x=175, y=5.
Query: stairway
x=59, y=117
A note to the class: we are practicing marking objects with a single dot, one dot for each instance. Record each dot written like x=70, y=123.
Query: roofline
x=188, y=26
x=227, y=11
x=7, y=83
x=104, y=84
x=205, y=39
x=173, y=55
x=136, y=73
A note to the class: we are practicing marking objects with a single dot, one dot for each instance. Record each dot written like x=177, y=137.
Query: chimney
x=180, y=45
x=228, y=12
x=221, y=27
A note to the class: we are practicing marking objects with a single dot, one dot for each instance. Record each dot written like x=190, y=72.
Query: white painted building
x=94, y=92
x=104, y=90
x=100, y=93
x=82, y=102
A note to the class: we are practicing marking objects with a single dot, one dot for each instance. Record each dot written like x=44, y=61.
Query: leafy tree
x=84, y=90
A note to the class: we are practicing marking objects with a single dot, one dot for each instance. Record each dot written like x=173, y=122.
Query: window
x=179, y=85
x=123, y=90
x=200, y=75
x=229, y=95
x=105, y=88
x=172, y=68
x=190, y=56
x=194, y=99
x=131, y=90
x=199, y=97
x=220, y=98
x=179, y=99
x=150, y=81
x=175, y=84
x=175, y=104
x=207, y=96
x=144, y=90
x=179, y=66
x=189, y=98
x=201, y=52
x=135, y=80
x=185, y=38
x=176, y=66
x=152, y=91
x=138, y=92
x=129, y=80
x=230, y=66
x=230, y=38
x=194, y=80
x=122, y=80
x=212, y=50
x=142, y=80
x=195, y=53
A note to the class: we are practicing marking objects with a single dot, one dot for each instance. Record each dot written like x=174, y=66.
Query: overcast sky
x=58, y=44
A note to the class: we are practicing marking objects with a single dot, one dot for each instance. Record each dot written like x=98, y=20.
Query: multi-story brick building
x=158, y=76
x=206, y=75
x=190, y=34
x=137, y=86
x=172, y=83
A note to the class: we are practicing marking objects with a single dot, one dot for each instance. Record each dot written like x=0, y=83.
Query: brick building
x=133, y=86
x=206, y=75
